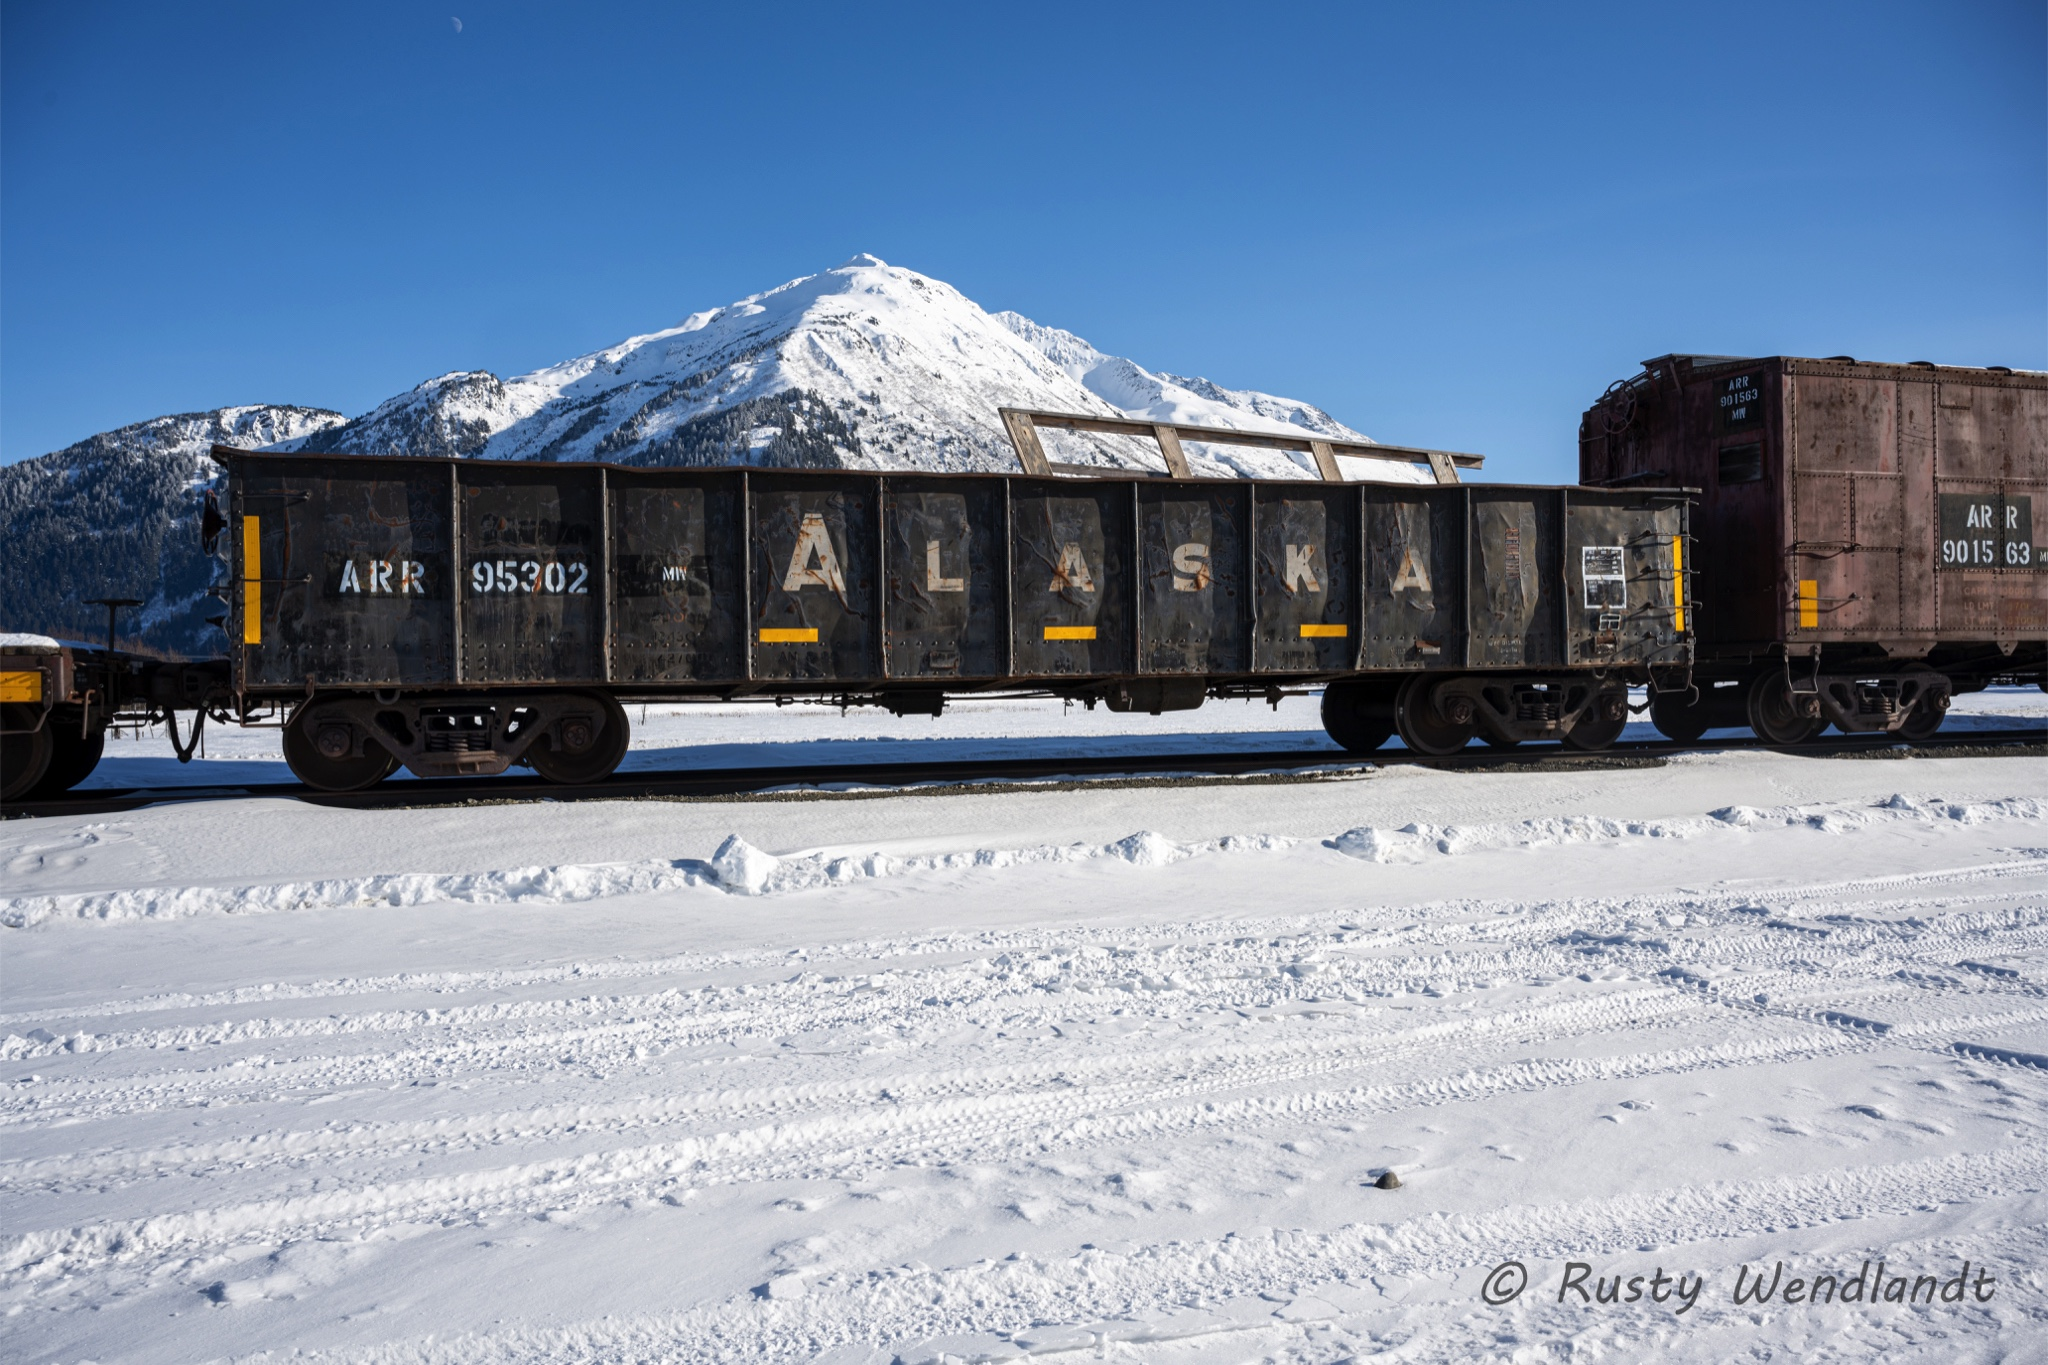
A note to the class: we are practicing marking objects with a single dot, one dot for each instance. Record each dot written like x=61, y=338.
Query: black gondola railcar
x=1868, y=542
x=457, y=616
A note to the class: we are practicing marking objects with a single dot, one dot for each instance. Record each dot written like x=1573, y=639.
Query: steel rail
x=883, y=778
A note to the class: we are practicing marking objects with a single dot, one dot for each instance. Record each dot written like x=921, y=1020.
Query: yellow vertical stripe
x=1809, y=604
x=1678, y=584
x=252, y=580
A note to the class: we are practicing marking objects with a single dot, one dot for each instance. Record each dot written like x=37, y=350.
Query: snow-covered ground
x=1097, y=1072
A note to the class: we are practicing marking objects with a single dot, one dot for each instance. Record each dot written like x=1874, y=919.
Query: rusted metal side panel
x=1847, y=508
x=1071, y=578
x=1919, y=585
x=356, y=582
x=1850, y=503
x=1623, y=591
x=677, y=566
x=944, y=581
x=531, y=589
x=813, y=579
x=1991, y=500
x=1305, y=575
x=1191, y=588
x=1414, y=578
x=1514, y=556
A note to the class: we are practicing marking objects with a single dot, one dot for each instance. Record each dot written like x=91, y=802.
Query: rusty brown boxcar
x=457, y=616
x=1867, y=540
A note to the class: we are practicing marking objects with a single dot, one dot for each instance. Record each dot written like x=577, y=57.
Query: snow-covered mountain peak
x=866, y=365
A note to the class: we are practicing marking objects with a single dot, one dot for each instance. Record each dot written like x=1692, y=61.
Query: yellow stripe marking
x=1325, y=632
x=1678, y=584
x=1809, y=604
x=1070, y=632
x=22, y=686
x=805, y=635
x=252, y=580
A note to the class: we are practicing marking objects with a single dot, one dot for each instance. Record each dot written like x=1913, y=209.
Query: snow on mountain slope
x=868, y=366
x=114, y=516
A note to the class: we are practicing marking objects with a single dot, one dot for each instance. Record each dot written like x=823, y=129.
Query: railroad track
x=872, y=778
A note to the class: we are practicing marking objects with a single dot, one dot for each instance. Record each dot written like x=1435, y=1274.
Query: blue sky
x=1448, y=224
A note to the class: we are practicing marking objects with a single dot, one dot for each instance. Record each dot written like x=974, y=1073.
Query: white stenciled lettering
x=350, y=582
x=2012, y=517
x=814, y=562
x=412, y=577
x=1190, y=567
x=1299, y=575
x=674, y=573
x=934, y=579
x=1411, y=574
x=508, y=575
x=380, y=575
x=1071, y=571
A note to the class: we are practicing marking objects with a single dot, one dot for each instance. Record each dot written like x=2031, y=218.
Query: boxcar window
x=1742, y=464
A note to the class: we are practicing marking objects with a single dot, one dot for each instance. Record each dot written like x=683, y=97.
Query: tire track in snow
x=1156, y=1284
x=1124, y=1076
x=1319, y=968
x=837, y=1146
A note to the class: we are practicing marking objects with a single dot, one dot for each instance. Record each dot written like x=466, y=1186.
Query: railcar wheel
x=1602, y=724
x=24, y=757
x=1677, y=721
x=1774, y=715
x=1426, y=730
x=1358, y=714
x=1921, y=722
x=317, y=750
x=72, y=758
x=597, y=754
